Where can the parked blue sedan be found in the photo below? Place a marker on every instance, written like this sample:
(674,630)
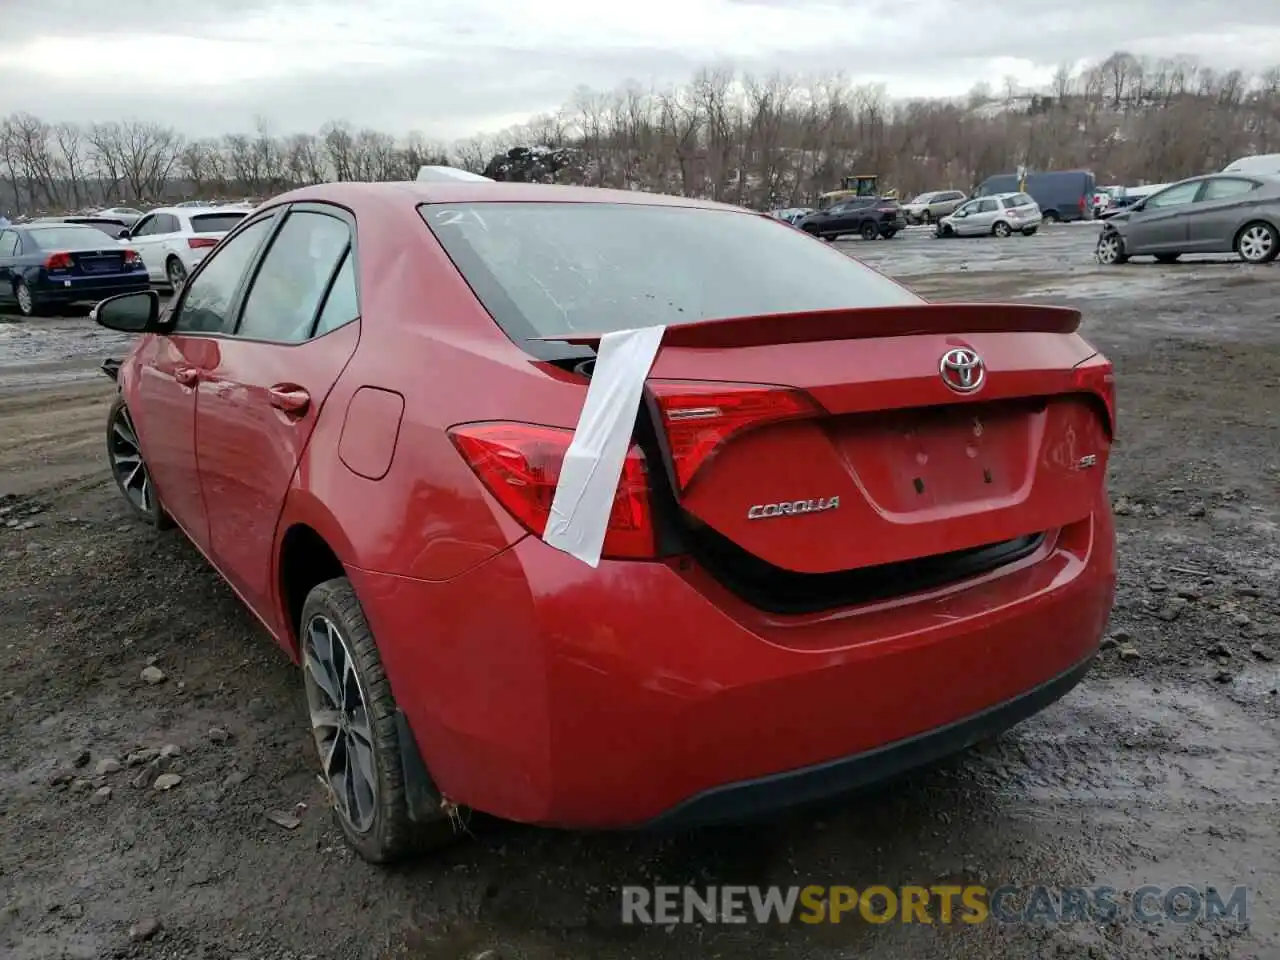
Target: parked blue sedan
(47,265)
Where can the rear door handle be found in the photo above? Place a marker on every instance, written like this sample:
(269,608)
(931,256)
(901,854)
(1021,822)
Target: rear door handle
(291,399)
(187,376)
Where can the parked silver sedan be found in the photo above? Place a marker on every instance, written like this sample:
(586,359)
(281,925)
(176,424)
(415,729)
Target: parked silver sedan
(1221,213)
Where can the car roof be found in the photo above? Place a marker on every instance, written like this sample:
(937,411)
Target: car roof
(199,211)
(55,222)
(413,192)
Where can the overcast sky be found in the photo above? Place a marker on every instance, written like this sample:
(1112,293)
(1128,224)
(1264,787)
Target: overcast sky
(451,69)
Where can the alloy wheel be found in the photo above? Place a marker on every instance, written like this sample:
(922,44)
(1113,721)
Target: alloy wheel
(1109,249)
(26,306)
(127,465)
(1256,243)
(340,722)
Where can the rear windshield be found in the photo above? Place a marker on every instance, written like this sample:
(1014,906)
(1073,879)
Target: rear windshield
(69,237)
(216,222)
(549,269)
(1019,200)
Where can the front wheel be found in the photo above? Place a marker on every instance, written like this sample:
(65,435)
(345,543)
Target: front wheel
(129,469)
(1258,243)
(1110,249)
(927,217)
(353,721)
(1029,231)
(1001,229)
(869,230)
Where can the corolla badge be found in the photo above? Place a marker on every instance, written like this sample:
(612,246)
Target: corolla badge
(962,370)
(762,511)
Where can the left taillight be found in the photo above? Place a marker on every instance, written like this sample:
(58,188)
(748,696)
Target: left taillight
(699,417)
(201,243)
(131,259)
(58,261)
(519,463)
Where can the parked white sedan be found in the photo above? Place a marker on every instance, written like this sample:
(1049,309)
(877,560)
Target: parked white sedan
(173,240)
(1000,215)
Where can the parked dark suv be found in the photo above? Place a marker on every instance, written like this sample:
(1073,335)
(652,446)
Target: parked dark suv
(868,217)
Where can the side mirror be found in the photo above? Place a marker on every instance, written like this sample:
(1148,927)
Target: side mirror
(129,312)
(122,235)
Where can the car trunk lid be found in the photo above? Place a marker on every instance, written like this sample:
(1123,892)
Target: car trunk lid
(825,442)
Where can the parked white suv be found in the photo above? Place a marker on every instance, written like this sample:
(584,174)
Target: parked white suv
(173,240)
(999,215)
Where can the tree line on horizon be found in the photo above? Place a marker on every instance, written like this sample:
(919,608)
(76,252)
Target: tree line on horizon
(757,141)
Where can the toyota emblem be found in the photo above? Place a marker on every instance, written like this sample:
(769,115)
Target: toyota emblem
(962,370)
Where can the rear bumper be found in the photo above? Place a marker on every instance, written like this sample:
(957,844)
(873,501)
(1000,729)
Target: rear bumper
(543,691)
(751,799)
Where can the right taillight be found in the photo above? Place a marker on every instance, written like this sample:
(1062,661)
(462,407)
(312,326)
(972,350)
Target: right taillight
(519,463)
(699,417)
(1097,376)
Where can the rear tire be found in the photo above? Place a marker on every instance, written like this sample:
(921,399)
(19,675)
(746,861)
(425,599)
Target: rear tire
(1001,229)
(869,230)
(176,273)
(1029,231)
(28,305)
(926,217)
(1052,216)
(1258,242)
(890,234)
(353,722)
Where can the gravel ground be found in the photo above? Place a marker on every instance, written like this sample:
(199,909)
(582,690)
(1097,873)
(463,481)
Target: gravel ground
(1160,768)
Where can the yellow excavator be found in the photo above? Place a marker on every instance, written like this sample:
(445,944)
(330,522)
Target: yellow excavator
(863,185)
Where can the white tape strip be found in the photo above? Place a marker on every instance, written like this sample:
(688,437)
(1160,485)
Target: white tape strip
(589,477)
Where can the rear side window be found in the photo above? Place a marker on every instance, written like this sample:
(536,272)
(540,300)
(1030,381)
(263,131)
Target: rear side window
(8,243)
(342,305)
(215,222)
(549,269)
(1226,188)
(295,273)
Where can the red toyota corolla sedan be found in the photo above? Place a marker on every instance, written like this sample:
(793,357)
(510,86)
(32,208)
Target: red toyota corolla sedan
(852,531)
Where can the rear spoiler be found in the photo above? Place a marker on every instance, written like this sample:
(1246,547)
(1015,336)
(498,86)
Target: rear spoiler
(859,324)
